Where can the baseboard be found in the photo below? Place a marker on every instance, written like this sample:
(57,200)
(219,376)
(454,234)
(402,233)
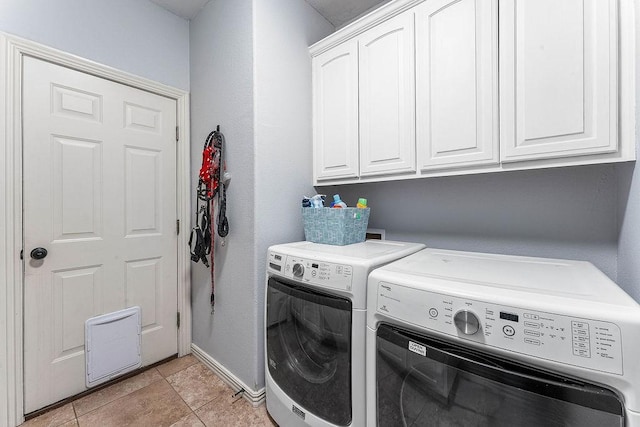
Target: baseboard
(256,398)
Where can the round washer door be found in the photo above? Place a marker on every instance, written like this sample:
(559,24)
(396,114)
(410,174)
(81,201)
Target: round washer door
(425,381)
(308,339)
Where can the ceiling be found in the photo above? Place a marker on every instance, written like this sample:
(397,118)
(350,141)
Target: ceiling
(187,9)
(338,12)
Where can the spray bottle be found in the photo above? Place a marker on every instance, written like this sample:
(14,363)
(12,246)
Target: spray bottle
(317,201)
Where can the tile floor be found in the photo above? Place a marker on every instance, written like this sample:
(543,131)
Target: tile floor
(182,392)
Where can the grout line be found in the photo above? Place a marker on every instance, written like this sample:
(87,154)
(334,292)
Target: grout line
(185,402)
(200,419)
(118,398)
(75,414)
(206,403)
(107,384)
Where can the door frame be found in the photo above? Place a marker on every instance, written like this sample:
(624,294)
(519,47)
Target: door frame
(12,50)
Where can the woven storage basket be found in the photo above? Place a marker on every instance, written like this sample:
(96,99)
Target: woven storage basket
(335,226)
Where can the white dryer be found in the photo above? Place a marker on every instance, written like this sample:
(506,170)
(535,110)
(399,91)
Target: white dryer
(460,338)
(315,320)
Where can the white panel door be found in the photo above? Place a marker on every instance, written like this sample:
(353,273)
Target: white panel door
(335,88)
(387,100)
(456,83)
(558,78)
(100,197)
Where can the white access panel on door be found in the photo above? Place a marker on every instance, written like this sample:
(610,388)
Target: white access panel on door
(112,343)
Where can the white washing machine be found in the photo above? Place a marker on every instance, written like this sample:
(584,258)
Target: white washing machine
(315,320)
(460,338)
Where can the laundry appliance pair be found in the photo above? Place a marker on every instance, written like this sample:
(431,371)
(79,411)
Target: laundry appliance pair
(452,338)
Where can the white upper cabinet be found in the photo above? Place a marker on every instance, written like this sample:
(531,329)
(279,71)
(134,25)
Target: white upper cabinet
(335,112)
(558,78)
(456,83)
(421,88)
(386,80)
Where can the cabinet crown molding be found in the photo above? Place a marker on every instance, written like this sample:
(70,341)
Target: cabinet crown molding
(370,20)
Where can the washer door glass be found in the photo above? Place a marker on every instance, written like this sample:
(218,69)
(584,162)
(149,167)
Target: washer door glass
(427,382)
(309,349)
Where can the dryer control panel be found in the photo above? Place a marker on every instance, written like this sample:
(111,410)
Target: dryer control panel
(324,274)
(587,343)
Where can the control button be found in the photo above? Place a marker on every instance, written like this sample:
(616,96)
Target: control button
(531,341)
(532,325)
(433,312)
(581,352)
(530,316)
(298,270)
(314,273)
(532,333)
(466,322)
(508,330)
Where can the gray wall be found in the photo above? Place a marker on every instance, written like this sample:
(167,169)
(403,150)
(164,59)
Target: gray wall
(629,203)
(250,73)
(629,230)
(283,31)
(131,35)
(558,213)
(222,93)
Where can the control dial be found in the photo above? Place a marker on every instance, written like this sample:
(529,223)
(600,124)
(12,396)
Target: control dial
(298,270)
(466,322)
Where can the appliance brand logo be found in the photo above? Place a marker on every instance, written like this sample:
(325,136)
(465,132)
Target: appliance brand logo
(417,348)
(297,411)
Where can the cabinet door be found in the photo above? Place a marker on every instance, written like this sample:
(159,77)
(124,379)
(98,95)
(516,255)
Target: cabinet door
(456,83)
(335,87)
(558,78)
(387,104)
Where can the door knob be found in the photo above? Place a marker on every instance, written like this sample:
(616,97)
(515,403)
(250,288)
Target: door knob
(38,253)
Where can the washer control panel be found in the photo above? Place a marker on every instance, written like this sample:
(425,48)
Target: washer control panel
(325,274)
(587,343)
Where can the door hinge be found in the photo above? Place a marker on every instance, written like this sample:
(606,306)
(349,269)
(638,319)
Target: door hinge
(22,254)
(177,226)
(177,133)
(178,320)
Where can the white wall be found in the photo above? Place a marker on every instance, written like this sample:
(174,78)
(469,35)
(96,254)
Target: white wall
(283,31)
(250,73)
(132,35)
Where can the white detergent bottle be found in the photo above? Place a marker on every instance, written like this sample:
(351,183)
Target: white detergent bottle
(337,203)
